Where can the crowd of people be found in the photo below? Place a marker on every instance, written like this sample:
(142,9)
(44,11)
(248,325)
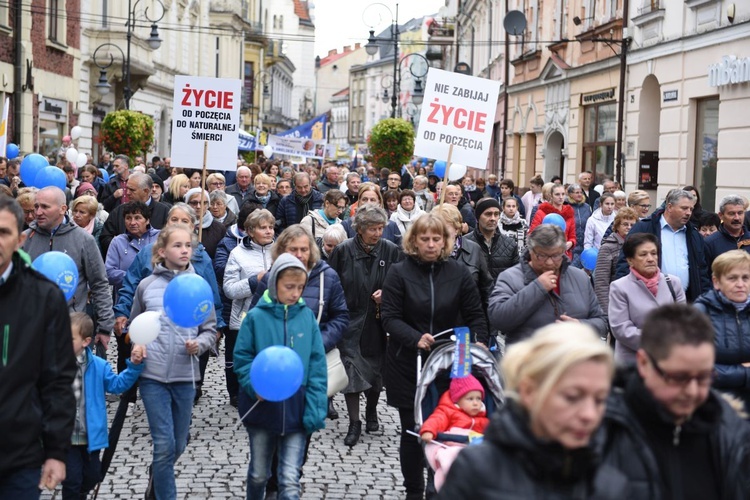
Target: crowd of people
(627,379)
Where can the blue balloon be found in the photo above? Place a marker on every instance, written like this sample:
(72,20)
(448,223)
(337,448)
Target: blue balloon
(588,258)
(414,163)
(439,168)
(555,219)
(105,174)
(11,151)
(30,167)
(188,300)
(424,161)
(60,268)
(50,176)
(276,373)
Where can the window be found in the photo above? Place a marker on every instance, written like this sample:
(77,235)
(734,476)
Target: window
(249,84)
(4,14)
(599,135)
(56,21)
(706,148)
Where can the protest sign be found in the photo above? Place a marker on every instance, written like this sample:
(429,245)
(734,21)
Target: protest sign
(458,111)
(305,148)
(206,113)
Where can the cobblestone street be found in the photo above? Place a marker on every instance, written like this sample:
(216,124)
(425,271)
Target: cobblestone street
(214,464)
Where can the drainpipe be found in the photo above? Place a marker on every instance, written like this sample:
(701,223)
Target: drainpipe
(619,156)
(18,68)
(506,77)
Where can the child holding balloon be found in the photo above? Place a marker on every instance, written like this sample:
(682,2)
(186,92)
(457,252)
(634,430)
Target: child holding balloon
(94,377)
(167,383)
(284,410)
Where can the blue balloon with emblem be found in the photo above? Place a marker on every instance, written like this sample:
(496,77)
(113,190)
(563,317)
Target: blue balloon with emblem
(188,300)
(60,268)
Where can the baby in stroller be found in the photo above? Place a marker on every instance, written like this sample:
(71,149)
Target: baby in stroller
(461,411)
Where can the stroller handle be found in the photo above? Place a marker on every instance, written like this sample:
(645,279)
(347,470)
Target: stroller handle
(419,352)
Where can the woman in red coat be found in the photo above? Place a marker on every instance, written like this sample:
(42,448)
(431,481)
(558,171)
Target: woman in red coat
(557,206)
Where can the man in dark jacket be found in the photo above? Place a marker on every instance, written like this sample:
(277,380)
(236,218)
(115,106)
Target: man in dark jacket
(500,251)
(330,179)
(37,404)
(293,207)
(115,192)
(454,194)
(682,251)
(731,234)
(243,187)
(139,189)
(667,430)
(585,180)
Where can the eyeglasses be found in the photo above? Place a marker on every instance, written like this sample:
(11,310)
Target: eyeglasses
(340,208)
(545,258)
(681,379)
(217,183)
(196,203)
(645,207)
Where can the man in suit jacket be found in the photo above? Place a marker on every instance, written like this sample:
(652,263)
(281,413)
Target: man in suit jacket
(139,189)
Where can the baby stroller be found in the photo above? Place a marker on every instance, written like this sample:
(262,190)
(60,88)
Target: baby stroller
(434,379)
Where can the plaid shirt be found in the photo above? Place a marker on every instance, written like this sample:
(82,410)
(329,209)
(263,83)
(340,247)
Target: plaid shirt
(79,436)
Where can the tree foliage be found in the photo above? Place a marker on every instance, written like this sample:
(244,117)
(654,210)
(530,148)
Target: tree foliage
(391,143)
(127,132)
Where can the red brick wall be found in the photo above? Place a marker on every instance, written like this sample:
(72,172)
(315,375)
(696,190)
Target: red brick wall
(6,40)
(48,58)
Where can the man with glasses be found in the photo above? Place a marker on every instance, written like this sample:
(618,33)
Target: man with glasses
(667,430)
(393,182)
(138,187)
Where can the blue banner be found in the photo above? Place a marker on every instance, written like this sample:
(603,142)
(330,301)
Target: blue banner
(315,129)
(247,143)
(462,354)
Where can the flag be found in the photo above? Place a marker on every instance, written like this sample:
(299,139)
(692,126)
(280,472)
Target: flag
(462,353)
(4,127)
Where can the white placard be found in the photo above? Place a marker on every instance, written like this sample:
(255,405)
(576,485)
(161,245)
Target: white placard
(306,148)
(206,109)
(459,110)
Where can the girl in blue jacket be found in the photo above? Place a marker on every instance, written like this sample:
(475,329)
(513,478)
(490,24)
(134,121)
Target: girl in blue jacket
(281,318)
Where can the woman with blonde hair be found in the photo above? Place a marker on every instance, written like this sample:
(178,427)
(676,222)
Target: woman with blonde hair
(424,294)
(545,442)
(178,188)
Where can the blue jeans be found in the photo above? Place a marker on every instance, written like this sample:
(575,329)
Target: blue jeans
(82,471)
(22,484)
(169,409)
(291,450)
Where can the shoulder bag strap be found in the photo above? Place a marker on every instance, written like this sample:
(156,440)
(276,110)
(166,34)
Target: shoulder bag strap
(671,288)
(320,298)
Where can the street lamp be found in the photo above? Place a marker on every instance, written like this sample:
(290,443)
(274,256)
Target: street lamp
(418,69)
(154,42)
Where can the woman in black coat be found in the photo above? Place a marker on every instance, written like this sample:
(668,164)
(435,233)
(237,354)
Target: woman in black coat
(426,293)
(546,442)
(362,263)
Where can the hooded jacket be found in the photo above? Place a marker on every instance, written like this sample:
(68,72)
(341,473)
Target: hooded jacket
(700,275)
(92,276)
(272,323)
(512,463)
(566,212)
(519,305)
(334,315)
(141,268)
(37,368)
(99,379)
(596,226)
(448,415)
(316,223)
(168,360)
(662,460)
(732,343)
(246,261)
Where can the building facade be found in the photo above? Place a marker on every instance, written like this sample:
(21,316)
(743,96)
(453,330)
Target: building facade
(332,74)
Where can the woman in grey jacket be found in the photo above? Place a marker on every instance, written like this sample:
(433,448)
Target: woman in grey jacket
(247,264)
(171,370)
(542,289)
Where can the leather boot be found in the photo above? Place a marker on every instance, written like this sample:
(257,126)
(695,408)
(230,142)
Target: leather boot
(332,413)
(371,422)
(352,435)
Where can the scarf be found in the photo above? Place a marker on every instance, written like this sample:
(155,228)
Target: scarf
(330,222)
(302,202)
(90,228)
(507,221)
(456,247)
(207,219)
(651,283)
(264,199)
(364,246)
(739,306)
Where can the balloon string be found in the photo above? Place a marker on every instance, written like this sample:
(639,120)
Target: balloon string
(246,414)
(192,356)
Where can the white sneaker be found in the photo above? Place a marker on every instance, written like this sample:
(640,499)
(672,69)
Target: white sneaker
(131,410)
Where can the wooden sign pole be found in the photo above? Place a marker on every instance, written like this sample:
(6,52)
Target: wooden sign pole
(445,177)
(203,206)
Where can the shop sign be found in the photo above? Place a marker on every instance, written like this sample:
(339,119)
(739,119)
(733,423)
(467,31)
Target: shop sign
(599,96)
(53,109)
(729,71)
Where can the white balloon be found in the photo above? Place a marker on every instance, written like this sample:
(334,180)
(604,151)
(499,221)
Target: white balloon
(71,155)
(268,151)
(81,160)
(145,327)
(75,132)
(456,172)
